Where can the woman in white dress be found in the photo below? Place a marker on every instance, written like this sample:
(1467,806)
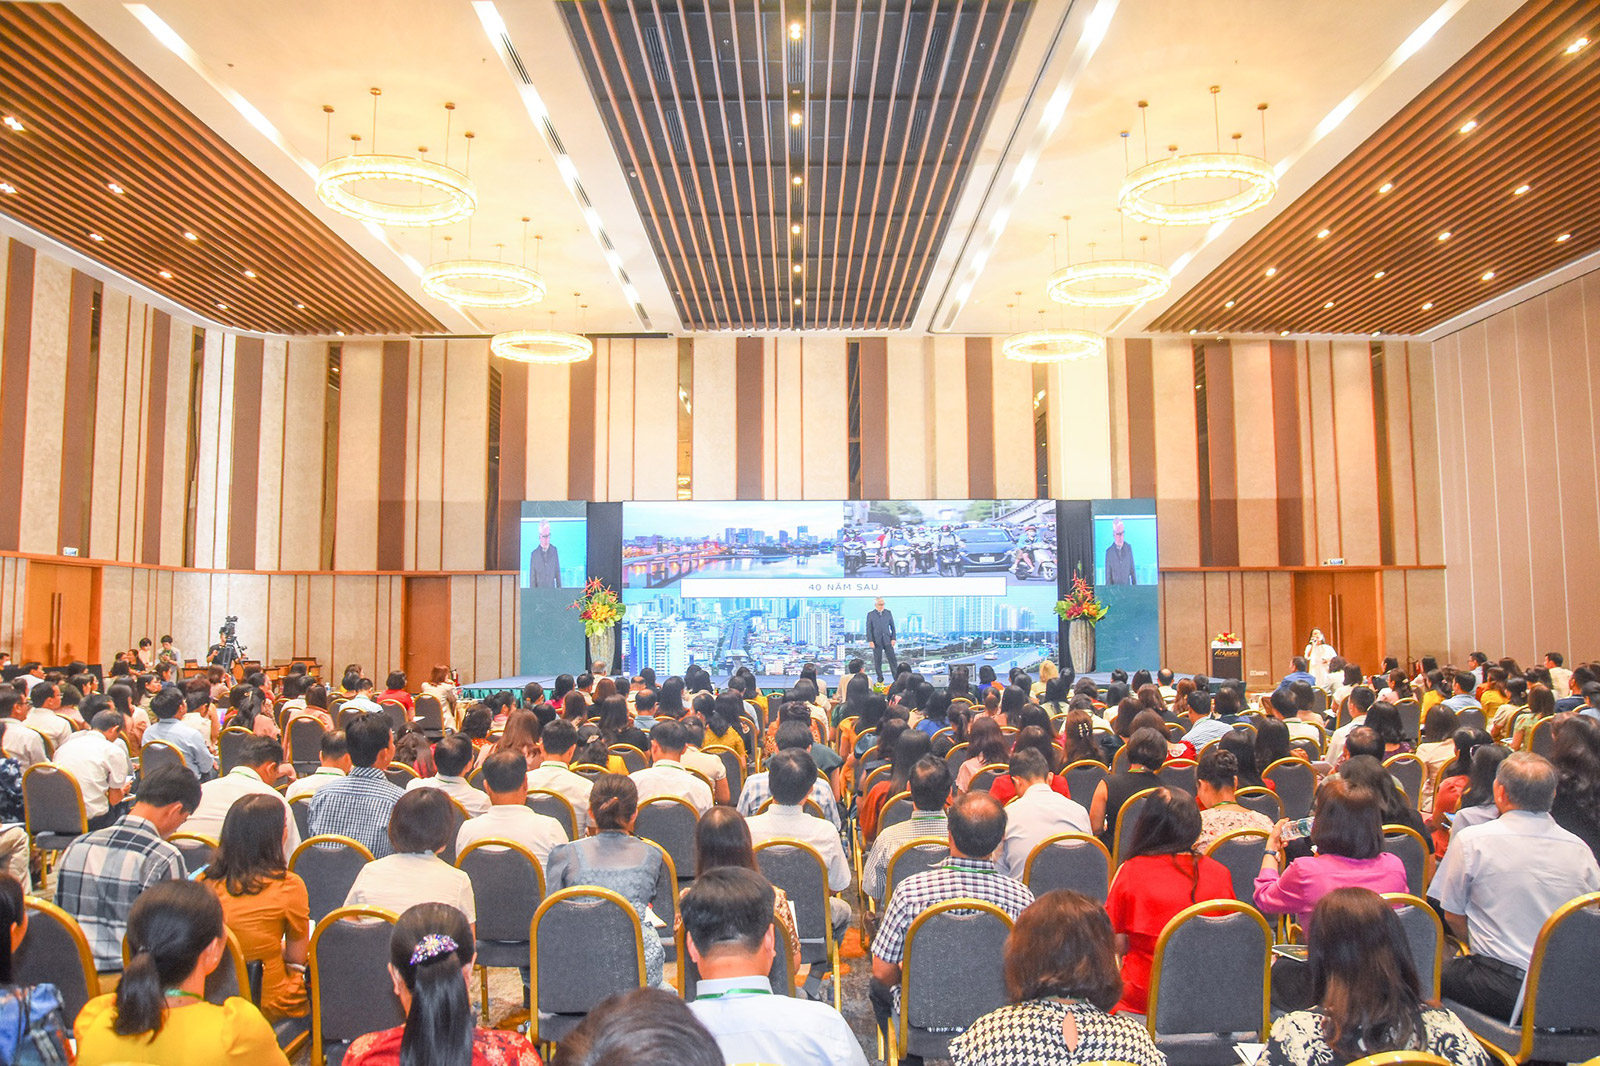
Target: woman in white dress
(1318,654)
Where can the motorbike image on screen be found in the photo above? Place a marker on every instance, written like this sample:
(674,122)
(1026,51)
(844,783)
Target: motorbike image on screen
(1042,566)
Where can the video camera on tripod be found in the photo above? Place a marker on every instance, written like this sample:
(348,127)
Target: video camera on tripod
(228,650)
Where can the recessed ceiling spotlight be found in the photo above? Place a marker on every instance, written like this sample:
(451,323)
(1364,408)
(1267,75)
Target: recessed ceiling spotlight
(1283,333)
(222,307)
(795,118)
(1328,306)
(1270,271)
(1386,187)
(1428,306)
(7,188)
(299,307)
(165,274)
(1323,233)
(1577,46)
(1228,304)
(1468,126)
(797,301)
(1192,332)
(1520,189)
(114,187)
(13,122)
(795,229)
(797,268)
(1376,332)
(1487,275)
(96,237)
(190,235)
(797,179)
(338,333)
(796,31)
(1445,235)
(1379,275)
(250,273)
(1564,238)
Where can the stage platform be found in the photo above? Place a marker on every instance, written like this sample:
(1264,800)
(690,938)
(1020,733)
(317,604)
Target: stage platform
(478,690)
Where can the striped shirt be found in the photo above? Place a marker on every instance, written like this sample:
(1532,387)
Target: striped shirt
(875,873)
(958,877)
(103,872)
(757,791)
(357,807)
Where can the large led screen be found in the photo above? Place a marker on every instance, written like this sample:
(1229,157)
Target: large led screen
(776,585)
(552,569)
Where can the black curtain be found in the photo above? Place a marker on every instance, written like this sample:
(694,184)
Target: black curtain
(605,557)
(1074,555)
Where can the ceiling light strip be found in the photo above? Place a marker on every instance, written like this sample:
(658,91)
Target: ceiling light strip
(801,45)
(494,28)
(780,231)
(835,313)
(849,318)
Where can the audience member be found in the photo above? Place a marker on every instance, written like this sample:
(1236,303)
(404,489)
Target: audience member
(1062,980)
(791,774)
(421,825)
(1501,880)
(708,766)
(1453,782)
(102,873)
(1462,698)
(929,786)
(644,1027)
(1575,753)
(263,903)
(977,826)
(508,817)
(1365,771)
(430,962)
(722,838)
(1038,813)
(1369,997)
(727,916)
(20,743)
(169,706)
(1203,726)
(358,806)
(666,775)
(1361,700)
(333,755)
(909,746)
(255,775)
(616,859)
(451,757)
(1147,750)
(559,741)
(45,700)
(757,789)
(1216,779)
(1160,876)
(159,1012)
(98,760)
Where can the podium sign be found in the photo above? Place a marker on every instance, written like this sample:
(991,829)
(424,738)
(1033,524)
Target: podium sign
(1227,661)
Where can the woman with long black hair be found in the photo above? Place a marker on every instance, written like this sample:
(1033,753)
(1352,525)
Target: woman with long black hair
(430,962)
(159,1012)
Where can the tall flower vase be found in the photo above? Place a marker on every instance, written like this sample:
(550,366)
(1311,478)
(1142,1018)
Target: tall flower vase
(1080,642)
(603,649)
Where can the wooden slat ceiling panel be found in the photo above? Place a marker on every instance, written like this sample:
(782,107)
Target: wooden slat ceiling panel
(1536,107)
(697,96)
(92,118)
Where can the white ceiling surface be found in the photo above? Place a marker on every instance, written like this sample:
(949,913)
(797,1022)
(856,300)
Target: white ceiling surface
(1301,59)
(288,58)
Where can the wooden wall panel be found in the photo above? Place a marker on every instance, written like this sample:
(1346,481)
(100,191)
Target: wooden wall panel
(47,373)
(466,460)
(716,458)
(1176,452)
(825,447)
(655,419)
(1255,471)
(1117,422)
(946,385)
(1015,476)
(1355,441)
(300,502)
(909,418)
(175,460)
(549,411)
(618,418)
(427,455)
(1080,450)
(355,538)
(1574,313)
(1402,466)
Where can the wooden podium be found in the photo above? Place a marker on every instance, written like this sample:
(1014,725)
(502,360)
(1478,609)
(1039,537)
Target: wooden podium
(1227,662)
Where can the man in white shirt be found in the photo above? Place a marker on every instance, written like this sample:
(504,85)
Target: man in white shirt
(714,769)
(791,774)
(334,759)
(20,743)
(451,757)
(1038,812)
(727,918)
(559,740)
(1203,726)
(361,698)
(508,817)
(45,698)
(1560,676)
(32,674)
(1500,881)
(258,770)
(666,775)
(1361,700)
(1293,705)
(99,762)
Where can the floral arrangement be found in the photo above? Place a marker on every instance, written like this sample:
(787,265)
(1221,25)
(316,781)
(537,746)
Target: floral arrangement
(1080,604)
(599,607)
(1225,637)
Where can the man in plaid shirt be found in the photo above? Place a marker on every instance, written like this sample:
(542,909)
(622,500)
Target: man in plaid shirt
(359,805)
(929,785)
(102,873)
(977,826)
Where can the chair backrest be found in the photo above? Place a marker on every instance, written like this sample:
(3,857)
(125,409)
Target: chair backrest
(1179,773)
(1200,942)
(953,969)
(1127,818)
(1319,699)
(475,779)
(52,801)
(1563,983)
(231,977)
(588,945)
(554,805)
(985,778)
(458,818)
(157,754)
(1263,801)
(328,865)
(1177,730)
(1083,778)
(634,759)
(1402,1058)
(954,758)
(230,746)
(351,993)
(670,822)
(588,770)
(399,774)
(198,850)
(1472,718)
(1543,736)
(801,871)
(1309,750)
(880,773)
(1120,760)
(300,807)
(1410,718)
(1295,782)
(305,743)
(396,712)
(913,857)
(897,810)
(1240,851)
(1405,842)
(1073,861)
(1410,771)
(732,764)
(430,714)
(508,874)
(55,951)
(1425,935)
(781,976)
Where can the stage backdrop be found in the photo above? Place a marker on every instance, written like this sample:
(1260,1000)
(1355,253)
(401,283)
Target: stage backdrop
(553,566)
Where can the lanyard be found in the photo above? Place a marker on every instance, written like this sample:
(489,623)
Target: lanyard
(735,992)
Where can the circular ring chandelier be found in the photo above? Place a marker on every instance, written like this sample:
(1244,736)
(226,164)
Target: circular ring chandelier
(1137,198)
(1141,281)
(457,197)
(1054,346)
(541,346)
(443,281)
